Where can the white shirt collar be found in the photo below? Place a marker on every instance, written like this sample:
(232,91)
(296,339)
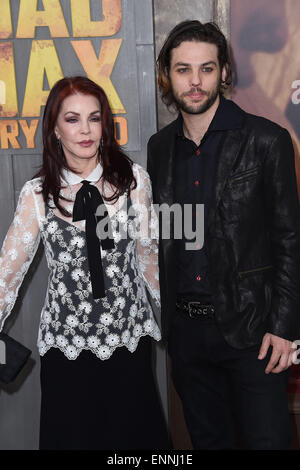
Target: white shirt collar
(72,178)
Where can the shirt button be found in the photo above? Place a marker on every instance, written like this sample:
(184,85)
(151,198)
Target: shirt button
(198,152)
(198,278)
(197,183)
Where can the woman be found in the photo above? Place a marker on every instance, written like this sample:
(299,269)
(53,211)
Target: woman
(98,390)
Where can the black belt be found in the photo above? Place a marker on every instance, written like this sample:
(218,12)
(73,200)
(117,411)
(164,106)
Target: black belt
(196,309)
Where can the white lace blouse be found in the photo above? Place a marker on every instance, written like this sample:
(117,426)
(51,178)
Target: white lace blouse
(71,319)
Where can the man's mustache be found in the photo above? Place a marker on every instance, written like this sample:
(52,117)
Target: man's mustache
(195,90)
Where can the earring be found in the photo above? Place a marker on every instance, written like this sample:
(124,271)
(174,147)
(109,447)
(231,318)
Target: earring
(59,145)
(101,144)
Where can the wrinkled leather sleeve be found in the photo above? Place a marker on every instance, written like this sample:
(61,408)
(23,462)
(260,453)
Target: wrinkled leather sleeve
(282,210)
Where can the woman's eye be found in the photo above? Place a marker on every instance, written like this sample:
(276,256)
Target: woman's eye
(96,119)
(71,120)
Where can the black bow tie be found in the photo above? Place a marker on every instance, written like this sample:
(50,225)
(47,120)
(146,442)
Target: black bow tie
(87,201)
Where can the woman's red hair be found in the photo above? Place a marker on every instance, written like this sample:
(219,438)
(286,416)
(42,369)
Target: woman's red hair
(117,167)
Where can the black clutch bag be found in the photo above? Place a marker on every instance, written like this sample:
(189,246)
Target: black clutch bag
(13,357)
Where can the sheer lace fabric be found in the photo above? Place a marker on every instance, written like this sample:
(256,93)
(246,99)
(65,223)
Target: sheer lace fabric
(71,319)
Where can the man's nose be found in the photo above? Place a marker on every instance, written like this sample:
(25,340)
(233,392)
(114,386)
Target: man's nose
(196,80)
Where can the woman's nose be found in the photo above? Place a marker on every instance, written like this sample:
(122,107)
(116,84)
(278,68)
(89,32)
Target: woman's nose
(85,127)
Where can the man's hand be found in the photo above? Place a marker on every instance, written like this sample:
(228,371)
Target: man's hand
(282,353)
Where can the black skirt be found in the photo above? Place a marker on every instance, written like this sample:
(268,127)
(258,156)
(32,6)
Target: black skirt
(101,405)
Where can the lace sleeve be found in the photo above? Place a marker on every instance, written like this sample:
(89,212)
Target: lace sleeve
(18,250)
(148,234)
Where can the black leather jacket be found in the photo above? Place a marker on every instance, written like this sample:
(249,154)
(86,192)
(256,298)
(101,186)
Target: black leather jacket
(252,236)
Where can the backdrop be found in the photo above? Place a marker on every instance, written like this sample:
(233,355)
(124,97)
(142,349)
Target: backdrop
(112,42)
(265,38)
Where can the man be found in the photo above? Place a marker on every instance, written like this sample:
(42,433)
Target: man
(230,309)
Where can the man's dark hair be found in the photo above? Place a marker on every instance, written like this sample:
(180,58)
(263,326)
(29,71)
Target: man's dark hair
(192,30)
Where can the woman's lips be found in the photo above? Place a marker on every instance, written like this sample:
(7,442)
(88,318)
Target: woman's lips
(86,143)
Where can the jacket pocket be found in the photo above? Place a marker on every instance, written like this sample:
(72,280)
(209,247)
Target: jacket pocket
(243,176)
(254,271)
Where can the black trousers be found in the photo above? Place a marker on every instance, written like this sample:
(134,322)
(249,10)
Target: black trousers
(90,404)
(228,400)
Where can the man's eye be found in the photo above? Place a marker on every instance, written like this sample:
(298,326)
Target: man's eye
(182,70)
(207,69)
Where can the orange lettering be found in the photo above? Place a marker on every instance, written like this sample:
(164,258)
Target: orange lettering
(9,131)
(9,103)
(84,27)
(5,20)
(30,18)
(29,131)
(100,68)
(43,59)
(121,130)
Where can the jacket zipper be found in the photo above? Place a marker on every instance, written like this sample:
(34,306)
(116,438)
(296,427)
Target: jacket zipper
(243,273)
(245,176)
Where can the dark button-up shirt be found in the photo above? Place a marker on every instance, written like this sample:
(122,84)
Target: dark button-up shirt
(195,168)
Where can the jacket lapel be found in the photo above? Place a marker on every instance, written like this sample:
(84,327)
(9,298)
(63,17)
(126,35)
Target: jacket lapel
(230,150)
(165,185)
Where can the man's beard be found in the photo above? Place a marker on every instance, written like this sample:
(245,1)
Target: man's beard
(201,107)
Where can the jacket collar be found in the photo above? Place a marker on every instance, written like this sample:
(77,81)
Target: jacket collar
(228,116)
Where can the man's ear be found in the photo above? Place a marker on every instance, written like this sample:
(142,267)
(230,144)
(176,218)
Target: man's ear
(224,74)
